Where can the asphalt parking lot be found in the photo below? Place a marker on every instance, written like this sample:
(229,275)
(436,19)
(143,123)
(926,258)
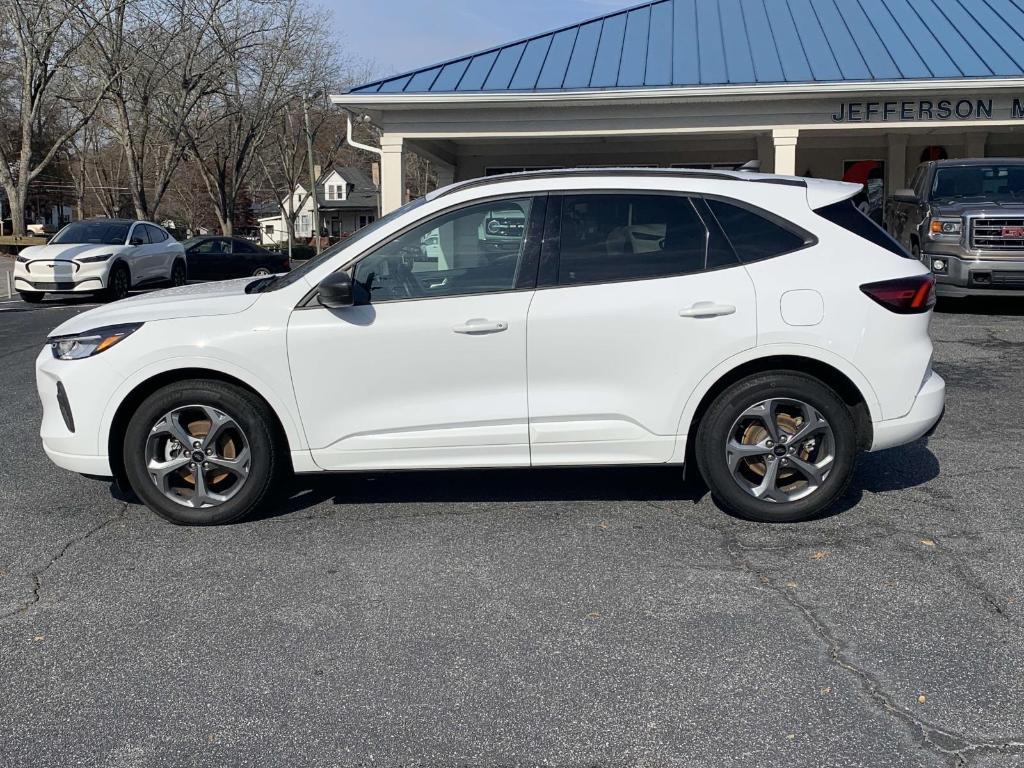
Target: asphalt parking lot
(571,618)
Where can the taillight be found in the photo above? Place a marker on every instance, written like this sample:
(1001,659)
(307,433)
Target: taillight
(905,296)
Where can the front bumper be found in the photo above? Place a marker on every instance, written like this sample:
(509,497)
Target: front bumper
(72,439)
(924,416)
(977,277)
(68,277)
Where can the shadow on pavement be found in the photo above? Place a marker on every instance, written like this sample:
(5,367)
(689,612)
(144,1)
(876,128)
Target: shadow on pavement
(982,305)
(893,470)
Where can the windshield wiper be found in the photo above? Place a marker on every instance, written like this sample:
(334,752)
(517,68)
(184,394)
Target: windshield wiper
(260,285)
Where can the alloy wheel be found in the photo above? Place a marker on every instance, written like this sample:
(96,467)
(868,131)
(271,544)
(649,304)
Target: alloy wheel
(780,450)
(261,272)
(198,456)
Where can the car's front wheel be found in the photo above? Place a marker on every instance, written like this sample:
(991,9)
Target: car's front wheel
(119,283)
(778,447)
(203,452)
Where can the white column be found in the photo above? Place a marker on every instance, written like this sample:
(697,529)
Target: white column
(897,163)
(975,144)
(785,140)
(392,173)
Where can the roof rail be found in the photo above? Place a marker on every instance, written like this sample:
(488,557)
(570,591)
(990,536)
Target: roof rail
(681,173)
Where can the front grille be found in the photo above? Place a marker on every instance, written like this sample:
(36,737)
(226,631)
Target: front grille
(1008,280)
(52,286)
(1003,234)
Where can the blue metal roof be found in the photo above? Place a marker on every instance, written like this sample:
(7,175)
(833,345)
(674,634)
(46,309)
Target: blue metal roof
(744,42)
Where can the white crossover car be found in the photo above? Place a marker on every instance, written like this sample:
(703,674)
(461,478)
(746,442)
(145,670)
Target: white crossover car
(758,328)
(108,256)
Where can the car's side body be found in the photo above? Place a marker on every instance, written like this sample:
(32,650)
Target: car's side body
(606,372)
(146,251)
(213,257)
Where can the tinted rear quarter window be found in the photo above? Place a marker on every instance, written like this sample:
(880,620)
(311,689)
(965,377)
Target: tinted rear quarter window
(755,237)
(616,237)
(848,216)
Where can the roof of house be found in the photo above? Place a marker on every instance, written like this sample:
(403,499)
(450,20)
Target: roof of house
(690,43)
(362,194)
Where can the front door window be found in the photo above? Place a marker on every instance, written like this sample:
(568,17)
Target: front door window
(473,250)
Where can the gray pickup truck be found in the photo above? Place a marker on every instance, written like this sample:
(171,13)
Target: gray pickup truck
(965,220)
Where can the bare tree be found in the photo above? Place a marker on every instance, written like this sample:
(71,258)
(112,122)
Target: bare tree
(228,131)
(164,58)
(41,80)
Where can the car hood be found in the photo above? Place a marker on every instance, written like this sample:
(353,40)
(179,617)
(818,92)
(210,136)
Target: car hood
(203,300)
(976,206)
(68,252)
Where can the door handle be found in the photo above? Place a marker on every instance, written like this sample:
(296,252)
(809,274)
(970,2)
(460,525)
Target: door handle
(708,309)
(479,325)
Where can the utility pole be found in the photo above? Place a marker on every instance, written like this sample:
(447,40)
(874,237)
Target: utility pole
(312,172)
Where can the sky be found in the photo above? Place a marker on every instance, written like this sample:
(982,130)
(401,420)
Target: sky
(400,35)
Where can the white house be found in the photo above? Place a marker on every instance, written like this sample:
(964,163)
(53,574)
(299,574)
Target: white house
(347,199)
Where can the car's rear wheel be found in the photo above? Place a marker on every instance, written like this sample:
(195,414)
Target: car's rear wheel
(179,274)
(119,283)
(261,272)
(203,452)
(778,447)
(31,296)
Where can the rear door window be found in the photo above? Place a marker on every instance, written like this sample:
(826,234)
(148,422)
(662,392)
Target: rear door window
(618,237)
(755,236)
(156,235)
(140,233)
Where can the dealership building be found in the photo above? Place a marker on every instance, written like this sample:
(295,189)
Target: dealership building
(857,89)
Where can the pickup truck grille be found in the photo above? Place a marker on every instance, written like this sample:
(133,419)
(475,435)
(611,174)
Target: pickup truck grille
(998,234)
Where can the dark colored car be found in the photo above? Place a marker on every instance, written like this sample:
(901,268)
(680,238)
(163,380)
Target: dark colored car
(299,252)
(222,258)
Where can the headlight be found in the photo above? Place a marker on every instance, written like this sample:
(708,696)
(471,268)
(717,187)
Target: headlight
(947,227)
(90,343)
(23,259)
(94,259)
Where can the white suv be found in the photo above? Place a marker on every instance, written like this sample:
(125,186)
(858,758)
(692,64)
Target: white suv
(757,326)
(109,256)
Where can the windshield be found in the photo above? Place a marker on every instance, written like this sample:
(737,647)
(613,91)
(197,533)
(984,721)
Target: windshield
(100,232)
(298,273)
(995,182)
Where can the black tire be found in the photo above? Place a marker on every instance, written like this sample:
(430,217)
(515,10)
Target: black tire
(262,272)
(715,431)
(118,283)
(179,273)
(268,463)
(31,297)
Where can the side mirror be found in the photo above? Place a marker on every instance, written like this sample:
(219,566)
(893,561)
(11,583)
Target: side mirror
(136,241)
(906,196)
(335,291)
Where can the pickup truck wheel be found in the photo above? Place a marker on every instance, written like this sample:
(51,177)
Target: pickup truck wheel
(31,296)
(203,452)
(778,447)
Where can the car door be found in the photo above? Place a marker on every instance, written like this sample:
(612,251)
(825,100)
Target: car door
(643,300)
(162,252)
(245,258)
(429,369)
(206,259)
(140,255)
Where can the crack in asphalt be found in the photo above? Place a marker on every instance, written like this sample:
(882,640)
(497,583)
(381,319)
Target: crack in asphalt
(958,746)
(37,575)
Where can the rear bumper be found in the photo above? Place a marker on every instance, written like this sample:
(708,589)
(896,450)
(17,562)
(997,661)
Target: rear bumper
(978,277)
(924,416)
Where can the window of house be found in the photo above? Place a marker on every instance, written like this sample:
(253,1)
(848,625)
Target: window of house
(753,236)
(269,229)
(365,221)
(469,251)
(616,237)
